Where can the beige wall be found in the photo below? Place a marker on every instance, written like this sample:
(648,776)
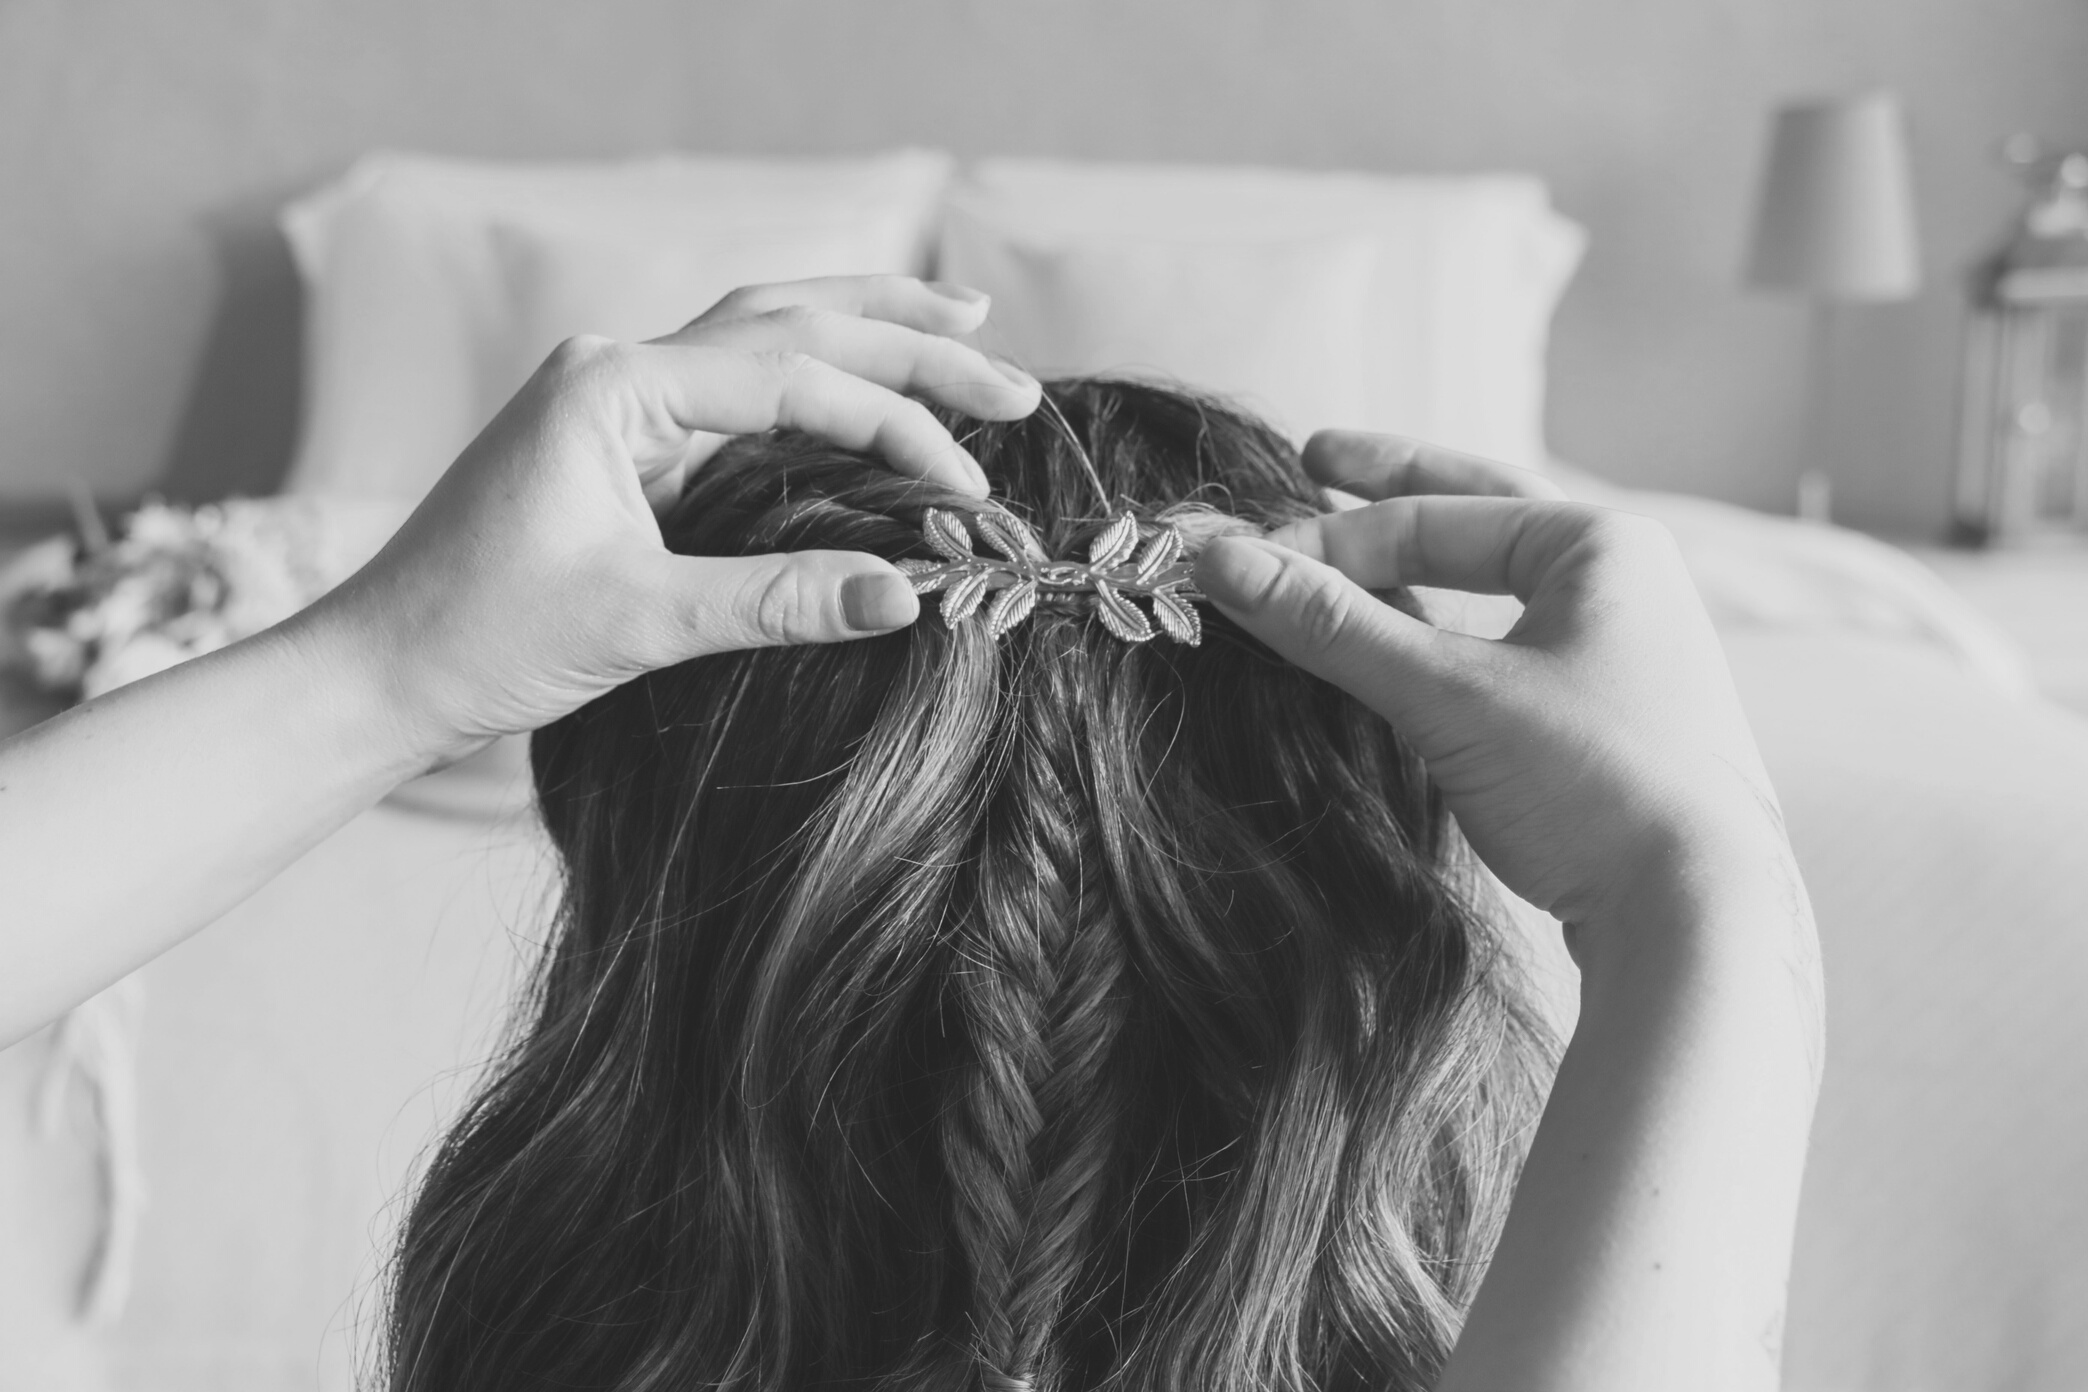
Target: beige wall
(148,319)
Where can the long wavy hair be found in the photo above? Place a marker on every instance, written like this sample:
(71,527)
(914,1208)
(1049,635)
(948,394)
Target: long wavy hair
(928,1012)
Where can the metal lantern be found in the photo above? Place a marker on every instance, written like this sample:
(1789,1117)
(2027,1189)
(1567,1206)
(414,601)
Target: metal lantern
(2023,453)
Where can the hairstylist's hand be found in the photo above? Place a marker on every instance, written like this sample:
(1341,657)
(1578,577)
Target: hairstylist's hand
(534,577)
(1599,741)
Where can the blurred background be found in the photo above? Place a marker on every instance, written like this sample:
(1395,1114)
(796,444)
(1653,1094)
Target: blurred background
(149,314)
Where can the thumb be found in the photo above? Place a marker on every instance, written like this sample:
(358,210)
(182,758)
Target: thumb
(1318,618)
(724,603)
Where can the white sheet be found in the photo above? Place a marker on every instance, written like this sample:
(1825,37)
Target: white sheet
(1943,1240)
(298,1057)
(1761,572)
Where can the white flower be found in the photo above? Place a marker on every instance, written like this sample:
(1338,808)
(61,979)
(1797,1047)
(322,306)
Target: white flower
(176,583)
(44,567)
(131,606)
(260,587)
(56,658)
(159,527)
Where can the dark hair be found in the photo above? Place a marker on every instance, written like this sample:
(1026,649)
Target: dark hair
(934,1013)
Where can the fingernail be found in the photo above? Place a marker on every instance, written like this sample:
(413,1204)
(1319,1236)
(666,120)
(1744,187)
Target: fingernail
(1237,571)
(878,603)
(1306,537)
(980,483)
(1015,375)
(963,294)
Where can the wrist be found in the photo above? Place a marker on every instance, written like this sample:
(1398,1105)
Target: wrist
(1701,919)
(1693,890)
(370,705)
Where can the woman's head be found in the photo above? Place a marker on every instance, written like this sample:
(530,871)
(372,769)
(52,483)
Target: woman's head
(937,1012)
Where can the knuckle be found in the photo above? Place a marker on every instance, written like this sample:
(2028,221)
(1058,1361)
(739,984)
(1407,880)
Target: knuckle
(581,353)
(1531,483)
(784,363)
(785,608)
(1625,529)
(739,301)
(1396,522)
(1636,535)
(1640,552)
(796,317)
(582,366)
(1321,614)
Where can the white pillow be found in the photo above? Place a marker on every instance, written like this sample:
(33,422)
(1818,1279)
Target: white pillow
(423,276)
(1454,316)
(1277,325)
(633,283)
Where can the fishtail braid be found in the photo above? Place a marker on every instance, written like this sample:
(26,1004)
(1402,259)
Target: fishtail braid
(1030,1143)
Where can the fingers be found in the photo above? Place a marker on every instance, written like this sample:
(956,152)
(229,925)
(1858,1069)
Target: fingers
(892,355)
(1390,466)
(674,389)
(1318,618)
(933,307)
(722,604)
(1483,545)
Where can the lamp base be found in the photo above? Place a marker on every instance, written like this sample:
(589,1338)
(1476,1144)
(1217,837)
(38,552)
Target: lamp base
(1815,497)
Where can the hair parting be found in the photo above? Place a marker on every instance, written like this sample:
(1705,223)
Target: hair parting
(1103,501)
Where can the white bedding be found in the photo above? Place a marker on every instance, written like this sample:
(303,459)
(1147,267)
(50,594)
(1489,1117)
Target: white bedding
(297,1059)
(1943,1238)
(1757,572)
(1938,810)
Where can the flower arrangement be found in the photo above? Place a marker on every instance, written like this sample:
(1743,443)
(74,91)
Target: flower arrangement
(83,614)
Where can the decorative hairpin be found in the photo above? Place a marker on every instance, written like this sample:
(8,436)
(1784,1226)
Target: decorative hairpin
(1121,563)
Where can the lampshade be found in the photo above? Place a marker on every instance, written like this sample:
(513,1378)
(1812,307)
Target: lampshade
(1836,219)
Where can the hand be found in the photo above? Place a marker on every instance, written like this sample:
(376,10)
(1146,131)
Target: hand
(534,577)
(1598,742)
(1596,757)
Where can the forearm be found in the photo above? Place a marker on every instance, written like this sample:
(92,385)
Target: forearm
(132,821)
(1649,1242)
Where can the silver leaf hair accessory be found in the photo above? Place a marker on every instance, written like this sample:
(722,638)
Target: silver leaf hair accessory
(1123,564)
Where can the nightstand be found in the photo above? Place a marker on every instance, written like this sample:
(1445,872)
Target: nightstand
(2037,595)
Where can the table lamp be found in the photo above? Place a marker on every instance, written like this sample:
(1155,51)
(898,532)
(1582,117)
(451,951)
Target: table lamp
(1835,225)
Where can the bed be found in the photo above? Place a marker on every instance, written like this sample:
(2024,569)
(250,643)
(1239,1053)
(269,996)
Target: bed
(293,1062)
